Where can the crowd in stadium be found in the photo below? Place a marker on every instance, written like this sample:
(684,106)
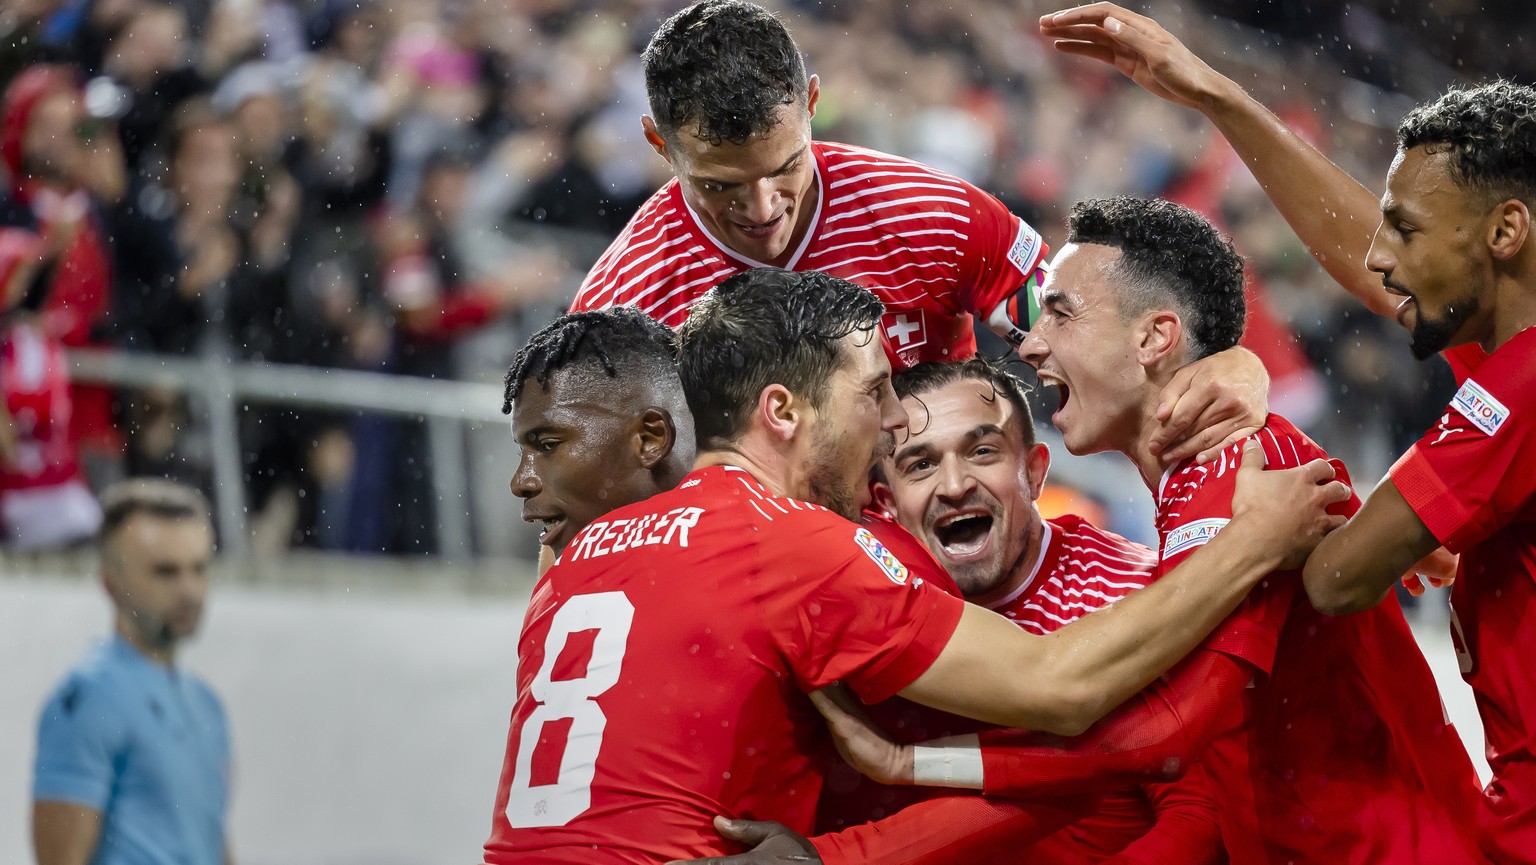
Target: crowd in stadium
(413,187)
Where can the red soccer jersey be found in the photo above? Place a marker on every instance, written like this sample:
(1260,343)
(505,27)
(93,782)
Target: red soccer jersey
(1472,480)
(932,247)
(1079,569)
(1341,751)
(663,666)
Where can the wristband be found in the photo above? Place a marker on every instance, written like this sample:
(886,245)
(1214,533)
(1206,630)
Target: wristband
(954,761)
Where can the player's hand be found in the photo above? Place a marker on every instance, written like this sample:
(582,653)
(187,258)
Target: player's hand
(862,744)
(1437,570)
(1137,46)
(1287,508)
(771,843)
(1210,405)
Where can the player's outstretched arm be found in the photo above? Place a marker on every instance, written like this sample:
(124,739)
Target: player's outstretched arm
(1332,213)
(1065,681)
(1210,405)
(1355,567)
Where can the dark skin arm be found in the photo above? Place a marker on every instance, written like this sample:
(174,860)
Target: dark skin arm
(1355,567)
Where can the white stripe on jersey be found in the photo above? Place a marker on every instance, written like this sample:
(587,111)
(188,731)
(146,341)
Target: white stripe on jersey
(909,171)
(637,243)
(864,193)
(881,205)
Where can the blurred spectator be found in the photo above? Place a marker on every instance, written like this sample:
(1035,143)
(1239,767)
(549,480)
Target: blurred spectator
(410,186)
(65,169)
(44,500)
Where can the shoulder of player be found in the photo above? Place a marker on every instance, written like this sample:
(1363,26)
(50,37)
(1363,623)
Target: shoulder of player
(852,167)
(1088,540)
(94,684)
(654,229)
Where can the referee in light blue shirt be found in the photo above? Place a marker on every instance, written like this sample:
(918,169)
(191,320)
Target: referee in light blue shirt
(133,752)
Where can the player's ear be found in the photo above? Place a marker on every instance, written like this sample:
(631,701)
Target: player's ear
(1037,464)
(654,138)
(779,411)
(880,491)
(1159,336)
(655,434)
(812,93)
(1508,229)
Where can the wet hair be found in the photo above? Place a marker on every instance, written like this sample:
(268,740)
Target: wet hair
(929,376)
(761,327)
(156,497)
(1169,254)
(725,67)
(1490,134)
(620,341)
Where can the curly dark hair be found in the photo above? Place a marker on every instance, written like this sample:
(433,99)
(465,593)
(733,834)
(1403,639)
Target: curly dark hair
(761,327)
(724,66)
(1169,252)
(1490,133)
(619,341)
(931,375)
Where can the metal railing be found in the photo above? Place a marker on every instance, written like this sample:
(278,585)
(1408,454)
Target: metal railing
(221,387)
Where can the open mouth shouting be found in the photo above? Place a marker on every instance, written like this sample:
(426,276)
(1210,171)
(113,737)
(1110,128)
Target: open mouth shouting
(1063,390)
(964,534)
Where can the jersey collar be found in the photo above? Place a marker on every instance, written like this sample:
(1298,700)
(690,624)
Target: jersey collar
(1047,539)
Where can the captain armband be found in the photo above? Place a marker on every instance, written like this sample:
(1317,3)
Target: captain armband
(1012,318)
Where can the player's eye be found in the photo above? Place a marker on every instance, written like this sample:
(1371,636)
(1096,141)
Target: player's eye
(917,467)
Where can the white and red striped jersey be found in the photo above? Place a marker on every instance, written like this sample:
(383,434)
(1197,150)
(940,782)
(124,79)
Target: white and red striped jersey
(1081,568)
(932,247)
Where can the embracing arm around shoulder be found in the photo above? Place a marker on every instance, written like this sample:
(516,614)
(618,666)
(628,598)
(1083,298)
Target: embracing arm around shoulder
(1063,682)
(64,833)
(1355,567)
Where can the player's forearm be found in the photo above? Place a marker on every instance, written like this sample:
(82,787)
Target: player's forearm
(1098,661)
(952,829)
(1354,568)
(1154,736)
(1333,214)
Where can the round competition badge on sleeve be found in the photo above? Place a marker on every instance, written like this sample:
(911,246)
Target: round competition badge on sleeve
(883,557)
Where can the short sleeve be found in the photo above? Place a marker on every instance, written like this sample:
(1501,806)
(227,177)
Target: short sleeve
(79,735)
(1474,472)
(1000,255)
(869,618)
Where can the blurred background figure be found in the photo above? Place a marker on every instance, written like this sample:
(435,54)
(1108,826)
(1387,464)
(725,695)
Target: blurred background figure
(44,500)
(133,753)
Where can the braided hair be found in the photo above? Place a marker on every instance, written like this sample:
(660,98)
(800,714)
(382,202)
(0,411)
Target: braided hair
(620,340)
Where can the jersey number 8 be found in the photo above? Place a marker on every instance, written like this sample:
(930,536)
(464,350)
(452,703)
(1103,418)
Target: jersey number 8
(610,615)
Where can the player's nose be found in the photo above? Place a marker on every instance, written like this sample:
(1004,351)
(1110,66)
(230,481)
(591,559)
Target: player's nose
(1034,349)
(525,481)
(758,202)
(1378,259)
